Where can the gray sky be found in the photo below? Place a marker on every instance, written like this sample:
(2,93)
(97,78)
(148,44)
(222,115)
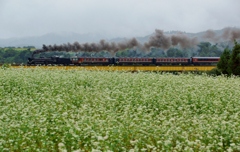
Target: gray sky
(115,18)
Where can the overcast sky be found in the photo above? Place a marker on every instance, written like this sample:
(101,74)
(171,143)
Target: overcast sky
(115,18)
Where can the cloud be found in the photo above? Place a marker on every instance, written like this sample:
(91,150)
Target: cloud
(115,18)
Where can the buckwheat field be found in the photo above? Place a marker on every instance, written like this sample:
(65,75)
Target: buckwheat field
(69,110)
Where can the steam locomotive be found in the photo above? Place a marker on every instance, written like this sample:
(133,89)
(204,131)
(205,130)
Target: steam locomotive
(145,61)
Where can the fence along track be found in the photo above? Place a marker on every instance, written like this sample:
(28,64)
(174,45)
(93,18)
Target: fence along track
(124,68)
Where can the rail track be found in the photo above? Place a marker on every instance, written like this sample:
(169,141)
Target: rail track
(124,68)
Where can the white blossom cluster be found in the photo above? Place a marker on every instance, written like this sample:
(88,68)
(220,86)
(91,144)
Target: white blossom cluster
(69,110)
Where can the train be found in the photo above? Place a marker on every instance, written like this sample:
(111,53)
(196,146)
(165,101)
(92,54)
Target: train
(121,61)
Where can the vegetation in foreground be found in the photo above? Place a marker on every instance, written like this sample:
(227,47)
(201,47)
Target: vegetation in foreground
(44,110)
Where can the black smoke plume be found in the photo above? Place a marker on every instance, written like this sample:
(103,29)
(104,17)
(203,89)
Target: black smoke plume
(228,34)
(158,39)
(165,42)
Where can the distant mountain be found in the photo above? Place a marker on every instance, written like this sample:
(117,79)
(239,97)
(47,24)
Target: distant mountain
(61,38)
(50,39)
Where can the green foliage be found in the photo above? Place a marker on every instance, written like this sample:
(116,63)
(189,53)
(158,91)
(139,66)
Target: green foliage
(234,64)
(174,52)
(129,53)
(214,72)
(230,61)
(206,49)
(223,64)
(5,66)
(14,55)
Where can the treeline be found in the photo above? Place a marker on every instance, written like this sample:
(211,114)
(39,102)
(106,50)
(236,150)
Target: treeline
(13,55)
(20,55)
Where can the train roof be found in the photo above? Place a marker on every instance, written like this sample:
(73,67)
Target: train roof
(206,57)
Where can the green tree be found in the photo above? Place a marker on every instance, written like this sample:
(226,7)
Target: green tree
(234,64)
(206,49)
(14,55)
(223,64)
(174,52)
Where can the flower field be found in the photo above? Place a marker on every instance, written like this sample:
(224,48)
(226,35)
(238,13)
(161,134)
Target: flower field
(68,110)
